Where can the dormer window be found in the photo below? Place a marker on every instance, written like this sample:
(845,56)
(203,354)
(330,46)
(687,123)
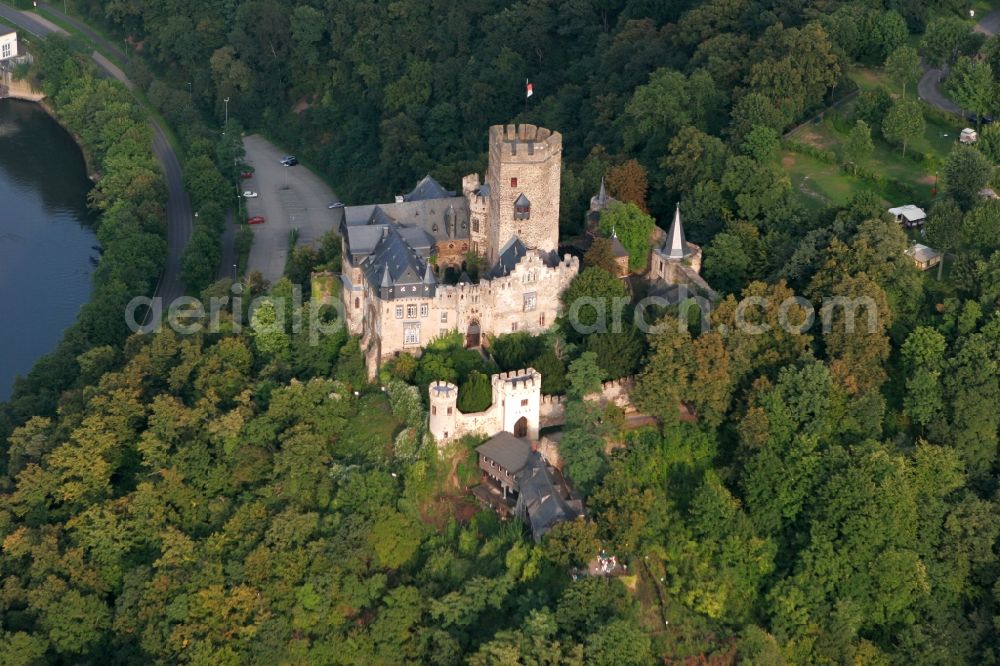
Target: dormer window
(522,208)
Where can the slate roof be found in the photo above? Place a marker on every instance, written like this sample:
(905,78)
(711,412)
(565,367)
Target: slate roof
(510,452)
(443,219)
(541,498)
(510,255)
(616,246)
(676,246)
(427,189)
(395,266)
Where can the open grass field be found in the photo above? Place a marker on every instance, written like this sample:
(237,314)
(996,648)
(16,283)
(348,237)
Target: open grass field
(902,179)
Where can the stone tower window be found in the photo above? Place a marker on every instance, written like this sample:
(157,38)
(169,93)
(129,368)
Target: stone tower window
(522,208)
(513,182)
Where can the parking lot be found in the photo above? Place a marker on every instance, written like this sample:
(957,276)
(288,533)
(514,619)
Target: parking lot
(289,198)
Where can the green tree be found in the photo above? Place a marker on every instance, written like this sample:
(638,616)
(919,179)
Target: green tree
(944,228)
(973,88)
(923,360)
(592,302)
(600,255)
(476,394)
(903,65)
(903,122)
(633,228)
(858,147)
(966,171)
(944,39)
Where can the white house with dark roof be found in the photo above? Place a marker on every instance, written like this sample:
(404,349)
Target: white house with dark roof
(396,256)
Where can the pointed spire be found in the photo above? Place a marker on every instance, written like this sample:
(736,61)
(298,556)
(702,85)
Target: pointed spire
(429,275)
(602,194)
(386,280)
(676,246)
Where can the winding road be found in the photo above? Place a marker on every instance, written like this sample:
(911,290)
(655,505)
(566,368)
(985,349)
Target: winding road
(928,89)
(180,221)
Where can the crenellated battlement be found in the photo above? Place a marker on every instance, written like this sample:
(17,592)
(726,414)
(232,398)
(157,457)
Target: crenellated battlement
(525,142)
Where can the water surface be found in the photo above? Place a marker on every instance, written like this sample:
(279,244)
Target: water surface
(46,236)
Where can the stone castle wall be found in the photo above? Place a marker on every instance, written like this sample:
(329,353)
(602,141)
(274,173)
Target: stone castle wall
(525,300)
(542,411)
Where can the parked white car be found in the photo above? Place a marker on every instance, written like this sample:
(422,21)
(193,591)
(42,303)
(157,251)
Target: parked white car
(249,194)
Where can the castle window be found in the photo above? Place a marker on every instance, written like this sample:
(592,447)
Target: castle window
(524,402)
(513,182)
(357,302)
(399,312)
(434,410)
(513,327)
(423,310)
(411,311)
(444,317)
(541,319)
(411,335)
(475,224)
(449,411)
(522,208)
(530,301)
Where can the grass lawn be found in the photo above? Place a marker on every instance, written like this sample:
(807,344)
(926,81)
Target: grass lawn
(905,180)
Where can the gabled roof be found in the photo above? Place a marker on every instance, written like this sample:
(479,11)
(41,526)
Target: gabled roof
(676,246)
(510,452)
(426,189)
(910,212)
(510,255)
(521,200)
(542,498)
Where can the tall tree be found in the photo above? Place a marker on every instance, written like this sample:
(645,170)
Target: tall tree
(903,122)
(973,88)
(903,65)
(858,147)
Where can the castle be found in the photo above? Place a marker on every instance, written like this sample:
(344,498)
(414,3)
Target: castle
(395,255)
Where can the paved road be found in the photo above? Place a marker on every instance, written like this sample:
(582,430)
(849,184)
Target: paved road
(86,30)
(928,88)
(180,221)
(290,197)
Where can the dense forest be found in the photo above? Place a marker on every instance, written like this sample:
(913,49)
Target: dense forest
(246,496)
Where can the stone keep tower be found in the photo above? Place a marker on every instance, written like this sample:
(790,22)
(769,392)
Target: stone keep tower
(523,176)
(444,410)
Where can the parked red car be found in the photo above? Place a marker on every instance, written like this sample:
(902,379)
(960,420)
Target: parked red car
(246,174)
(256,220)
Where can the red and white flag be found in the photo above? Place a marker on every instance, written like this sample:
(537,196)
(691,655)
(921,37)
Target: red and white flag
(529,91)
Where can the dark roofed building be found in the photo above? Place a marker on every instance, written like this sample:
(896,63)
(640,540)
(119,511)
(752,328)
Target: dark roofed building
(428,188)
(517,480)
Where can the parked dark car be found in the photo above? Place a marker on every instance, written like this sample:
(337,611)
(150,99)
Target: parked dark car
(335,204)
(290,160)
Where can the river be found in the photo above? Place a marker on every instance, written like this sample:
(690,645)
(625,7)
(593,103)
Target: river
(46,236)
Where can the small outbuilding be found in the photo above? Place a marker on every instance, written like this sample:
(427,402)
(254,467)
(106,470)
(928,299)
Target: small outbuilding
(924,257)
(8,43)
(968,135)
(909,215)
